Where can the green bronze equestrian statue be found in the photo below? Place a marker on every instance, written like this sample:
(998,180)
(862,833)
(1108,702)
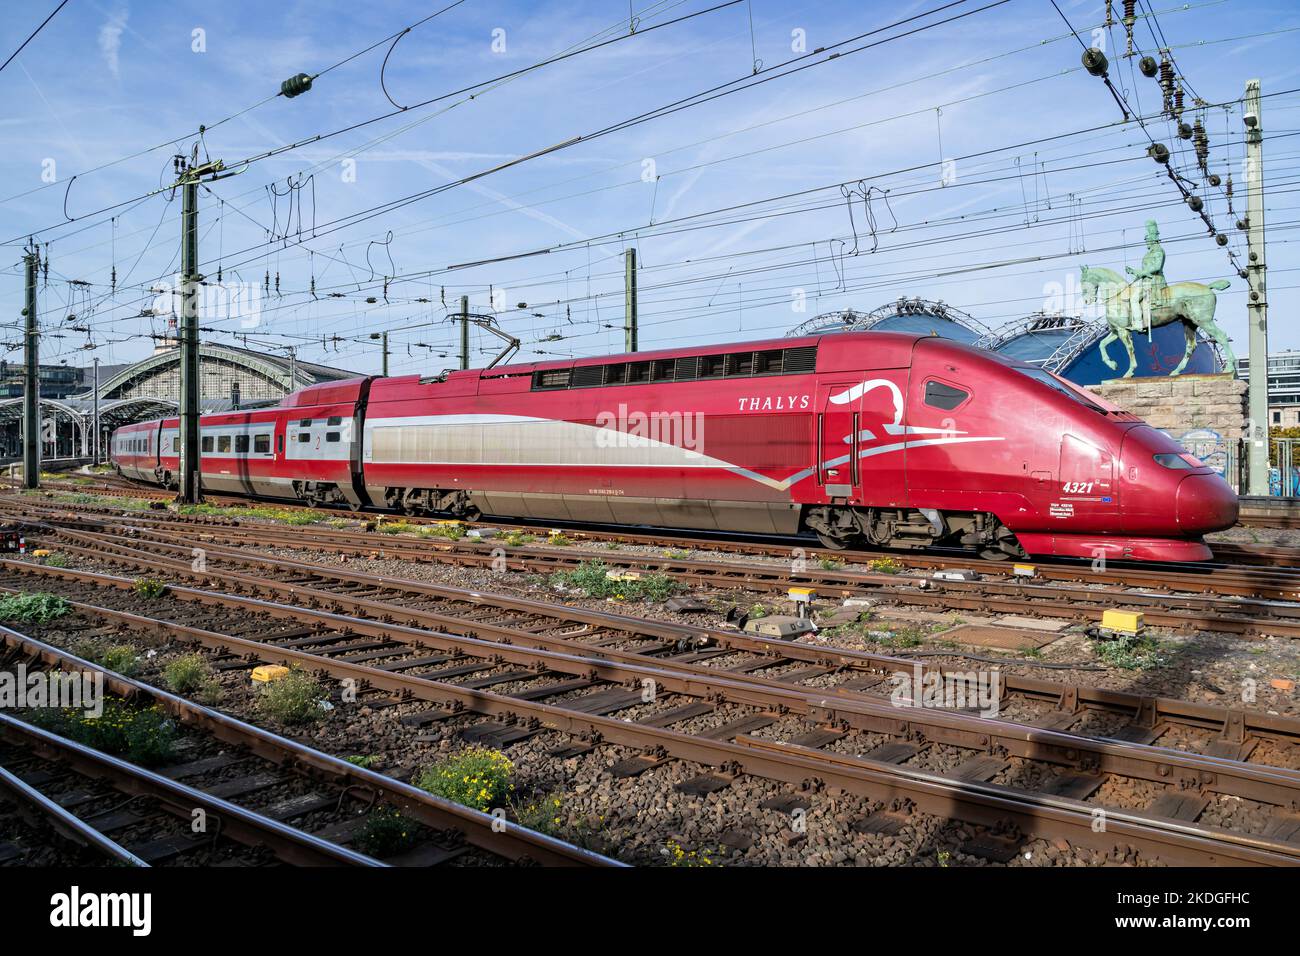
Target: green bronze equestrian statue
(1150,302)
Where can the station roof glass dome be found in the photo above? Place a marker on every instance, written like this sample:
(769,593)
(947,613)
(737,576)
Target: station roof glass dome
(917,316)
(1068,345)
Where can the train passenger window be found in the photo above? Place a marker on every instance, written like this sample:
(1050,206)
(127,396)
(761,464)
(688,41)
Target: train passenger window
(305,423)
(279,444)
(304,437)
(331,436)
(664,370)
(615,374)
(223,443)
(713,366)
(207,443)
(262,444)
(241,444)
(939,395)
(638,372)
(740,363)
(335,420)
(768,363)
(550,378)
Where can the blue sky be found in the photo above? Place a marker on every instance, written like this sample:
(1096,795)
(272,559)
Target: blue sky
(734,205)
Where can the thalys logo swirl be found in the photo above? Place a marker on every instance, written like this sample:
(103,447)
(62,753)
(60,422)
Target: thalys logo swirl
(945,436)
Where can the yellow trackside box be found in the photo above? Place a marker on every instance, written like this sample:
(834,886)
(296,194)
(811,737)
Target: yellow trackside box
(1122,622)
(802,594)
(265,673)
(1024,570)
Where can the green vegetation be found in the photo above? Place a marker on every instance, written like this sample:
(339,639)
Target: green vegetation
(386,832)
(302,516)
(142,735)
(514,539)
(547,814)
(292,699)
(903,637)
(452,532)
(676,554)
(758,610)
(188,674)
(34,608)
(885,566)
(477,777)
(1128,652)
(830,564)
(365,762)
(590,578)
(121,658)
(678,855)
(149,588)
(557,539)
(57,559)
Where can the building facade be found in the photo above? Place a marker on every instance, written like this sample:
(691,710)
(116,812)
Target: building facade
(1283,387)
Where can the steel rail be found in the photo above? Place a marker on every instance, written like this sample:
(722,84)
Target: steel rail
(1013,598)
(68,825)
(1158,764)
(983,804)
(501,838)
(1232,723)
(245,826)
(1280,580)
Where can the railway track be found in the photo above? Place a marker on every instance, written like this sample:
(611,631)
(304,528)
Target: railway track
(272,797)
(514,620)
(945,762)
(1267,612)
(1226,553)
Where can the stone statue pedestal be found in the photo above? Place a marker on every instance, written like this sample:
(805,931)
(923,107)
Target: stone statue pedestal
(1206,414)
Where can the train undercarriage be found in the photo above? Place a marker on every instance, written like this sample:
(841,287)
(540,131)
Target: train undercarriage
(419,501)
(840,527)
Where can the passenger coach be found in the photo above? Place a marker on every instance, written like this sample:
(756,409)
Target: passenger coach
(894,440)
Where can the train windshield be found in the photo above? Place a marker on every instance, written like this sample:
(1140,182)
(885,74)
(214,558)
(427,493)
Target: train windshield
(1060,385)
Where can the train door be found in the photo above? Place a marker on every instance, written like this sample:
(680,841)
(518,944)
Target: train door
(1086,480)
(859,439)
(837,440)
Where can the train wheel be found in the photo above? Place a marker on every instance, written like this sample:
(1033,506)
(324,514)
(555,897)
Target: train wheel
(833,544)
(994,554)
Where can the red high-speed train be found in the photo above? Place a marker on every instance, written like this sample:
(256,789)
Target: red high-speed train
(894,440)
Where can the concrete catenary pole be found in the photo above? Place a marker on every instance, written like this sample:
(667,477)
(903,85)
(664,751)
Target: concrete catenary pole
(629,301)
(1257,297)
(190,490)
(31,379)
(464,331)
(95,414)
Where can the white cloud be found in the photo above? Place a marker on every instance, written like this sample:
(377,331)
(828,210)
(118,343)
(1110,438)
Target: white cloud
(110,38)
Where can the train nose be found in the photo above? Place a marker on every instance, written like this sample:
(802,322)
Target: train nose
(1205,503)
